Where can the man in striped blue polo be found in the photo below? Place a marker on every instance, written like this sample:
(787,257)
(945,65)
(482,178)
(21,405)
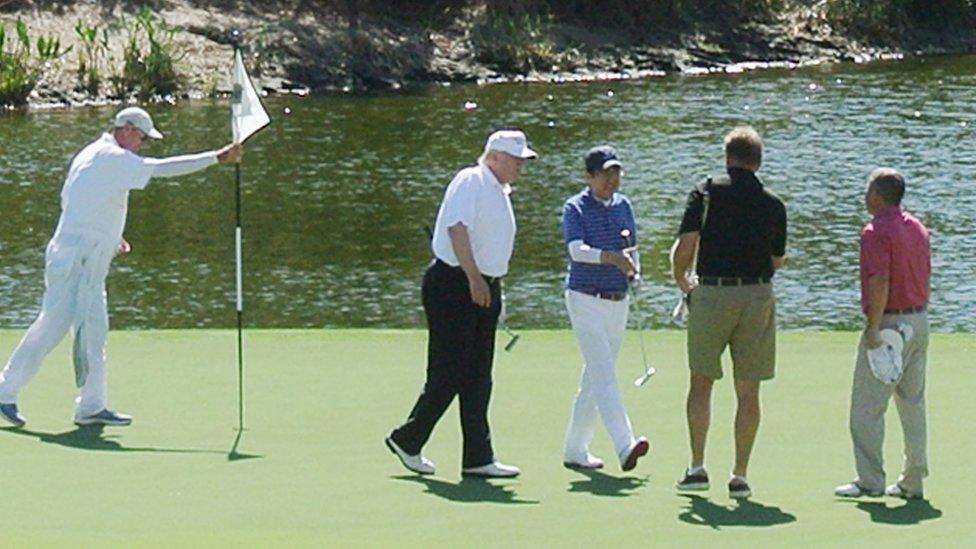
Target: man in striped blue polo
(600,233)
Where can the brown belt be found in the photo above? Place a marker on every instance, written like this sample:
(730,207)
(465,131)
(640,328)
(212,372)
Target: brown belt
(611,296)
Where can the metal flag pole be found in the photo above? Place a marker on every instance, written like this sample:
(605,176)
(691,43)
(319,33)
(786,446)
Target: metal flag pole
(238,236)
(239,259)
(247,118)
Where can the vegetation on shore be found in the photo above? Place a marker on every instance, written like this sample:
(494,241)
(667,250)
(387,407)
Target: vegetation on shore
(146,68)
(125,50)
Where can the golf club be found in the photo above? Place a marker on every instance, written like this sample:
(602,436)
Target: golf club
(648,371)
(503,322)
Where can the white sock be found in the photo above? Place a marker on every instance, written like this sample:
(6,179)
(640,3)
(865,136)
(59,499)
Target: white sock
(734,476)
(696,469)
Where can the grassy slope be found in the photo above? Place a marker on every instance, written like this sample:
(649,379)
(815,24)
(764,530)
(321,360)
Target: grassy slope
(320,402)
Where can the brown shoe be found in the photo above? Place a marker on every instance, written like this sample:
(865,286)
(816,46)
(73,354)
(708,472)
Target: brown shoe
(638,450)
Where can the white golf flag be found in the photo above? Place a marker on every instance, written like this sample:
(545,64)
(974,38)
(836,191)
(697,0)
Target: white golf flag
(247,113)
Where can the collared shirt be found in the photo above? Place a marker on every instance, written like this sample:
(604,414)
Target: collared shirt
(476,199)
(895,243)
(744,228)
(598,225)
(95,196)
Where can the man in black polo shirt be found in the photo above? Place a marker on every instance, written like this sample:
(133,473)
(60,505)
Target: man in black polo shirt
(738,230)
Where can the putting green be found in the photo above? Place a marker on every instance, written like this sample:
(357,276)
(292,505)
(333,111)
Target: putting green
(314,471)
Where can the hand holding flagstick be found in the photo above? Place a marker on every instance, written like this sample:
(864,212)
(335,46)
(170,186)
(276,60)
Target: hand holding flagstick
(230,154)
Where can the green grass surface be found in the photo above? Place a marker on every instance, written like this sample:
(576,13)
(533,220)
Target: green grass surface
(320,402)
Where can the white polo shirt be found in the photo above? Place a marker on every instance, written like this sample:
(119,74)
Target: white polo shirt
(476,199)
(95,197)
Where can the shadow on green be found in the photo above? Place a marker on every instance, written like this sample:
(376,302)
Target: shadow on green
(602,484)
(468,490)
(913,511)
(234,455)
(93,437)
(744,512)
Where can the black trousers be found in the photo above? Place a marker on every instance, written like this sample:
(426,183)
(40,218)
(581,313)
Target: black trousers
(460,351)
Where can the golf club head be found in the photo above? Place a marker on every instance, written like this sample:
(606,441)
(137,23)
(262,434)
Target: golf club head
(643,379)
(511,343)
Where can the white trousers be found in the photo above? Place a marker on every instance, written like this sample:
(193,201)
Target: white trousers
(74,297)
(599,325)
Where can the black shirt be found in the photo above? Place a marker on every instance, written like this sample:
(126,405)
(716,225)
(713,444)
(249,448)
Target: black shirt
(745,226)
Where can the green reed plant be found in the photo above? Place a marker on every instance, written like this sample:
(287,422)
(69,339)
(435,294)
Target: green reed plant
(91,56)
(22,63)
(149,58)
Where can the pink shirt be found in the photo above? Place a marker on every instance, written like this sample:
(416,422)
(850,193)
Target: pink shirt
(896,244)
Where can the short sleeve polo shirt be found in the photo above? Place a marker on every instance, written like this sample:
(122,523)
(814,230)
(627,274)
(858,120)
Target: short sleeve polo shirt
(744,228)
(476,199)
(598,225)
(896,244)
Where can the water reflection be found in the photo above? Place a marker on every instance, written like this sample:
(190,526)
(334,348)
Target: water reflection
(337,192)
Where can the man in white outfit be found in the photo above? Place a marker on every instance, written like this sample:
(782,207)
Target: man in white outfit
(94,200)
(600,233)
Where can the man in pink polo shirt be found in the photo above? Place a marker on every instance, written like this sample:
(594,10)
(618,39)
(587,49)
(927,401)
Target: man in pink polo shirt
(895,269)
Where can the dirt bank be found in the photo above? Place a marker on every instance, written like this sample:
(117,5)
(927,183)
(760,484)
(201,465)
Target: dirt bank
(298,46)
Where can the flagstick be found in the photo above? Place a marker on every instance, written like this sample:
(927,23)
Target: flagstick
(247,118)
(238,234)
(238,237)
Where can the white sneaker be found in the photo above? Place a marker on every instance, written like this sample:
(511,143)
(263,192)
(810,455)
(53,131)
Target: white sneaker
(589,461)
(418,463)
(896,490)
(854,490)
(494,469)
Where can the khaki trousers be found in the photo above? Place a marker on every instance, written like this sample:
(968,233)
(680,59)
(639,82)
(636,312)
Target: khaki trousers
(869,401)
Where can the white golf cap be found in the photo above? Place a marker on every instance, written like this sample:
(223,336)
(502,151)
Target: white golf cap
(511,142)
(138,118)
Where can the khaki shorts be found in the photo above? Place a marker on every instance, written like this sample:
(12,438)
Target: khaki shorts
(741,317)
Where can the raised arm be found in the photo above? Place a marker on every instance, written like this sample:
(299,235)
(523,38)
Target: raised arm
(188,163)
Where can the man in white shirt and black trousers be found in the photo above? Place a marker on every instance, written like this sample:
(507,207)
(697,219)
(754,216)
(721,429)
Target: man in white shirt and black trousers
(94,201)
(473,240)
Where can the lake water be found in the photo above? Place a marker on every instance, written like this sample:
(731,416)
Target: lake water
(338,190)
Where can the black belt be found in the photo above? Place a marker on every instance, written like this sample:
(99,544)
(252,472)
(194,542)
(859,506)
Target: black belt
(491,280)
(908,311)
(733,280)
(611,296)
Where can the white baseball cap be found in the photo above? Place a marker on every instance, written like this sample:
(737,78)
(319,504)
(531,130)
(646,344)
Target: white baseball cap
(140,119)
(511,142)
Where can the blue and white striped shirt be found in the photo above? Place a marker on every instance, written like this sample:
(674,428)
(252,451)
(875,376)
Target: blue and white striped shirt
(586,218)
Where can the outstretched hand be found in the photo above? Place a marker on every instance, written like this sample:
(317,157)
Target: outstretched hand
(230,154)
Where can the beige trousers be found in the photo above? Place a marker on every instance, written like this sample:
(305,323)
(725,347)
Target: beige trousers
(869,401)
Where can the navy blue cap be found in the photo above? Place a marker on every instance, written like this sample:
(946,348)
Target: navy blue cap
(601,158)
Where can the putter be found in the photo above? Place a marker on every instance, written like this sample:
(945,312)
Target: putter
(648,371)
(513,337)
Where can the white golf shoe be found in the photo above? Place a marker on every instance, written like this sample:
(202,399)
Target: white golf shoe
(896,490)
(494,469)
(854,490)
(588,462)
(416,463)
